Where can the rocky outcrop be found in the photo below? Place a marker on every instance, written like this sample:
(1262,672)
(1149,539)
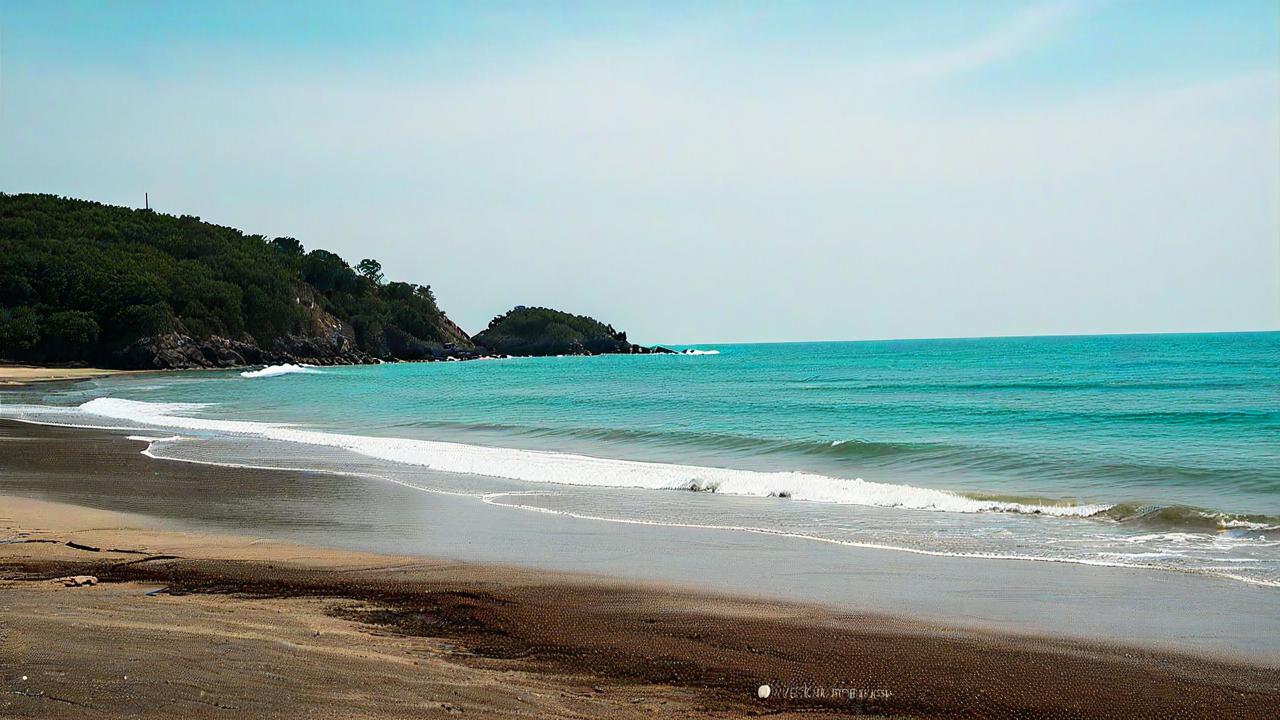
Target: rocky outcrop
(543,331)
(77,580)
(404,346)
(175,351)
(331,348)
(328,341)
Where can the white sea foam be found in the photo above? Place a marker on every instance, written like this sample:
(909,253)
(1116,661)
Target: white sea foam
(695,351)
(1160,549)
(1227,572)
(274,370)
(494,498)
(570,469)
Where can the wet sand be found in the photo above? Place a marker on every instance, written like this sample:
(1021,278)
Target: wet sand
(260,628)
(196,624)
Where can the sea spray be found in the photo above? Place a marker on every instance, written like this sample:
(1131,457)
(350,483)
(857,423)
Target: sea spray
(276,370)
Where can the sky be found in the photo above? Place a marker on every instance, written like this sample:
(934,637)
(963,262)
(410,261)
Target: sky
(697,172)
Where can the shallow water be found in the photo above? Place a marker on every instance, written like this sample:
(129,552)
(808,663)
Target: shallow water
(361,509)
(1148,451)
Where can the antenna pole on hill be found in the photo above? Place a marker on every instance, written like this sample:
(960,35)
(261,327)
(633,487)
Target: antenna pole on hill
(146,198)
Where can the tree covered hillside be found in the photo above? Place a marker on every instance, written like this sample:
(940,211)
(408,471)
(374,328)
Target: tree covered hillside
(543,331)
(83,281)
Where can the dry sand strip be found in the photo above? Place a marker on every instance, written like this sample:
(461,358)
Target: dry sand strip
(26,374)
(186,625)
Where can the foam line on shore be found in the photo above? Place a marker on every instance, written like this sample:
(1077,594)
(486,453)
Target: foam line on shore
(492,499)
(571,469)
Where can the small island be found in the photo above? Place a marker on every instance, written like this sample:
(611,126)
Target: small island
(543,331)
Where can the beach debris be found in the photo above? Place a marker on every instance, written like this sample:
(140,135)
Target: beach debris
(77,580)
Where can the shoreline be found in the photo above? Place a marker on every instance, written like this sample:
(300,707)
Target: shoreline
(354,510)
(563,644)
(535,485)
(492,638)
(17,375)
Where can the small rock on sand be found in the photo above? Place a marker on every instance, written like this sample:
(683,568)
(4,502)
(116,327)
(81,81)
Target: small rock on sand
(78,580)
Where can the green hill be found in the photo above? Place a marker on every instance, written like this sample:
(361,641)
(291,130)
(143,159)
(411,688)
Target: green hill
(543,331)
(85,282)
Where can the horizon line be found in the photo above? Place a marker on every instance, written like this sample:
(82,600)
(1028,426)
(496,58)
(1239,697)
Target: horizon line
(980,337)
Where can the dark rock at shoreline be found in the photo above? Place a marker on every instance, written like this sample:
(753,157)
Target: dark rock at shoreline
(175,351)
(330,348)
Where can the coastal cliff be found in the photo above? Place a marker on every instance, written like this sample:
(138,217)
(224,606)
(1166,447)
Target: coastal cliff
(83,282)
(86,283)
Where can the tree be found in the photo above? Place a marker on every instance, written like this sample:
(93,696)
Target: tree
(19,331)
(288,245)
(543,331)
(371,269)
(69,335)
(327,272)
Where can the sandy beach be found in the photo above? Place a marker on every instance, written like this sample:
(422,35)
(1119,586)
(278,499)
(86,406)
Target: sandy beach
(207,624)
(886,360)
(11,374)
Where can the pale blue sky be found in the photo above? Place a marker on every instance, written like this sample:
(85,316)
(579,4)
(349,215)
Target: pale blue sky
(698,172)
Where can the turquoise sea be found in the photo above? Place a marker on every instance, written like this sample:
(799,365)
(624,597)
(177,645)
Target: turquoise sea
(1158,451)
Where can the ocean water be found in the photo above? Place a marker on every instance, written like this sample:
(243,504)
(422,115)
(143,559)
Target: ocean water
(1154,451)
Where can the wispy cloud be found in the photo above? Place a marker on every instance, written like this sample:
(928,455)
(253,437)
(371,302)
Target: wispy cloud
(1024,31)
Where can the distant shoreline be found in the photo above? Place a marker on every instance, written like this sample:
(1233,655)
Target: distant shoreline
(21,374)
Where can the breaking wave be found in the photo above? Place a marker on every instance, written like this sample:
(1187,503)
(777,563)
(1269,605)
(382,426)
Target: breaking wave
(1190,518)
(571,469)
(274,370)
